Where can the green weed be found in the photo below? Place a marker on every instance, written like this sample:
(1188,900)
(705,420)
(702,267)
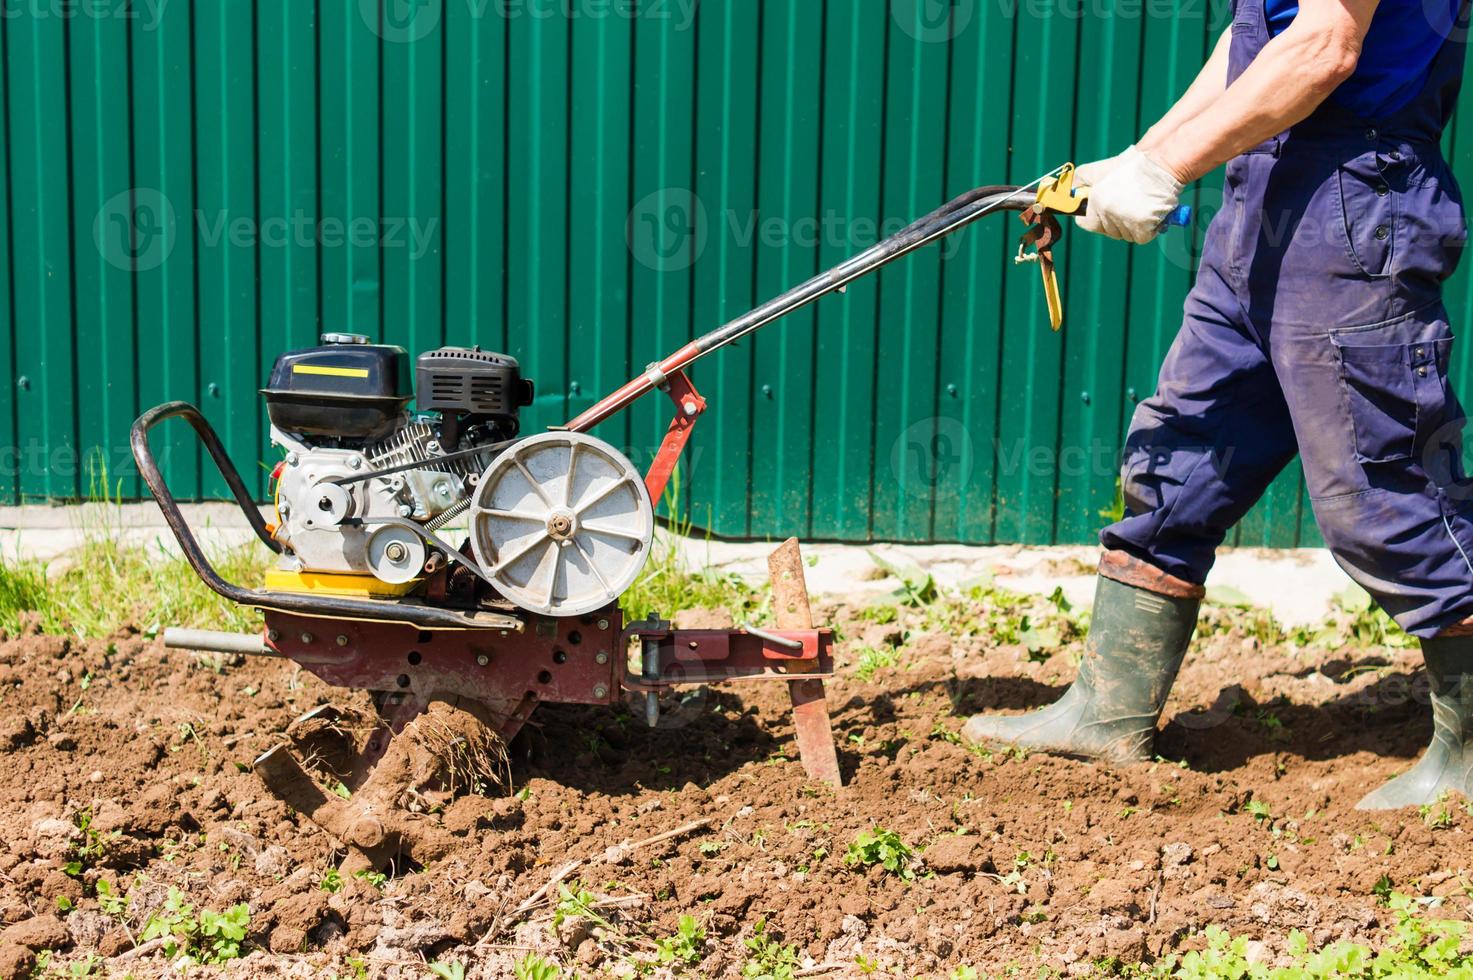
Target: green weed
(111,902)
(453,970)
(91,845)
(871,660)
(534,967)
(1416,948)
(882,847)
(108,581)
(768,959)
(667,584)
(687,946)
(917,587)
(200,936)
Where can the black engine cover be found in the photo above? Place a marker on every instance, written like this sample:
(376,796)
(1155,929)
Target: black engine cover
(349,390)
(473,383)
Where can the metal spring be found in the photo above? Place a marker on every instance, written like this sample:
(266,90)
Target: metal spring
(456,509)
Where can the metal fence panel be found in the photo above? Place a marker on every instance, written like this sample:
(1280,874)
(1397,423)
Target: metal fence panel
(190,187)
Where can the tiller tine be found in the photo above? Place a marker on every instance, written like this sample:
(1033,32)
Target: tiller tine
(439,745)
(810,707)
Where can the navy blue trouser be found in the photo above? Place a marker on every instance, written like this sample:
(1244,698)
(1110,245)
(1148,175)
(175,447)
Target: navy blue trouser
(1316,326)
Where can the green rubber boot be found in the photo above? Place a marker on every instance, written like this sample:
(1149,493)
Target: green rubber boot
(1447,765)
(1137,639)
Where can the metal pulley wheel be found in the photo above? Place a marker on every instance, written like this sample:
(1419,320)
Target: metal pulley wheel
(561,523)
(396,554)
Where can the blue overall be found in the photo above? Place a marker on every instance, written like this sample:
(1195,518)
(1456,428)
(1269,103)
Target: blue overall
(1316,326)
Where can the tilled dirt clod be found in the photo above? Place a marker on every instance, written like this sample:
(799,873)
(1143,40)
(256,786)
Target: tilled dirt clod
(126,771)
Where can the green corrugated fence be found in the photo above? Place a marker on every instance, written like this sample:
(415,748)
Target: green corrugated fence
(191,186)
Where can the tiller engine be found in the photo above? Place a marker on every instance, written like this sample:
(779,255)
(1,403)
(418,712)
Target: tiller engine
(368,593)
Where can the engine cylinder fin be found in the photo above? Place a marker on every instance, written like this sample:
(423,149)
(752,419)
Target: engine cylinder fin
(409,445)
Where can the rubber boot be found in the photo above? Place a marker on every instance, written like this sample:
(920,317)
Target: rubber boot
(1447,765)
(1143,621)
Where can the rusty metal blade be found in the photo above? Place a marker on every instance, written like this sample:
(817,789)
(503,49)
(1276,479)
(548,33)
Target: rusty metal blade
(810,708)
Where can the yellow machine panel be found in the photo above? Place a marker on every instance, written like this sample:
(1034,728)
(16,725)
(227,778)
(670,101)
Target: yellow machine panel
(329,583)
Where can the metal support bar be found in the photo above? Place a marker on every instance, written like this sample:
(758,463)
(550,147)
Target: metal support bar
(949,218)
(689,405)
(810,708)
(215,641)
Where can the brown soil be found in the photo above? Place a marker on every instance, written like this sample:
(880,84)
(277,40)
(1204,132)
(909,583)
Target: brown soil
(1022,860)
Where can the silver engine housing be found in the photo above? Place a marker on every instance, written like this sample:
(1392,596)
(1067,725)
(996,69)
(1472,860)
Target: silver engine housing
(359,528)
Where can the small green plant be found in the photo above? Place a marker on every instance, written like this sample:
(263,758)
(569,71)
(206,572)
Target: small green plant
(871,660)
(375,878)
(332,881)
(881,612)
(91,845)
(964,972)
(940,733)
(84,966)
(1259,810)
(576,902)
(917,587)
(882,847)
(1415,948)
(534,967)
(453,970)
(768,959)
(687,946)
(1436,818)
(201,936)
(710,848)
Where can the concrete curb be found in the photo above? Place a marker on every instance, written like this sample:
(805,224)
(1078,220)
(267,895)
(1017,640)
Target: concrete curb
(1297,586)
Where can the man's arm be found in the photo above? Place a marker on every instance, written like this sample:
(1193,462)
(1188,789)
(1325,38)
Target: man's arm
(1289,79)
(1208,87)
(1131,195)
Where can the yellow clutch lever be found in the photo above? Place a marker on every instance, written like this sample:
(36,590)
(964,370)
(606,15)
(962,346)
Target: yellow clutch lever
(1060,195)
(1056,196)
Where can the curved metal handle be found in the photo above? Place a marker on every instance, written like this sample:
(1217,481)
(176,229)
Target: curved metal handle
(425,617)
(143,456)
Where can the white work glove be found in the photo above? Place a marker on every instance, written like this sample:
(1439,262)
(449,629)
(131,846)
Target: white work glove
(1090,174)
(1132,200)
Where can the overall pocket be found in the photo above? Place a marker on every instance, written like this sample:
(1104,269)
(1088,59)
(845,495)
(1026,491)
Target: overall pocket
(1398,395)
(1368,208)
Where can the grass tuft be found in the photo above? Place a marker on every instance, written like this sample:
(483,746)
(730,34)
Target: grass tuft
(110,581)
(668,585)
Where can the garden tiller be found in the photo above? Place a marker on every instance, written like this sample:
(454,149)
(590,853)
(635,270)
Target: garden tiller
(369,594)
